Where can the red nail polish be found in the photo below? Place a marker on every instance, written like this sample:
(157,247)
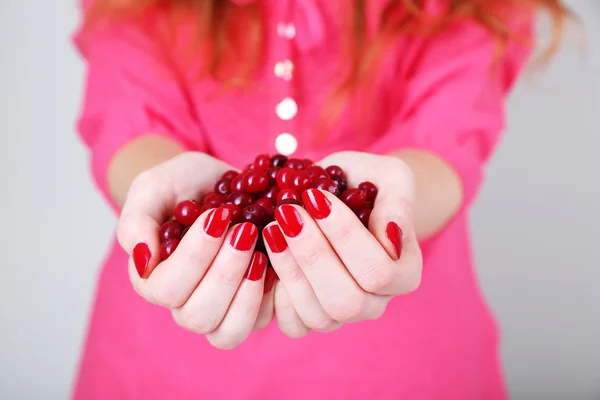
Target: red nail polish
(257,266)
(217,221)
(270,279)
(394,234)
(275,239)
(316,203)
(141,258)
(289,220)
(243,237)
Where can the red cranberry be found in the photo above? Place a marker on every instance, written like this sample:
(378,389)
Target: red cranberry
(256,181)
(230,174)
(262,161)
(370,189)
(334,171)
(267,204)
(240,199)
(170,230)
(223,186)
(354,198)
(327,184)
(272,175)
(272,193)
(236,212)
(213,199)
(237,183)
(364,215)
(168,247)
(285,177)
(286,194)
(256,215)
(294,163)
(307,163)
(207,207)
(290,201)
(341,183)
(278,160)
(369,204)
(301,181)
(315,172)
(187,212)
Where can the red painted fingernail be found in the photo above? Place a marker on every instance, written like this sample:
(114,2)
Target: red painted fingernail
(243,237)
(289,220)
(270,279)
(275,239)
(316,203)
(257,266)
(217,221)
(394,234)
(141,258)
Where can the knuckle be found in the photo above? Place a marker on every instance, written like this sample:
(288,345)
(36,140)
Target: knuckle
(349,309)
(342,235)
(294,330)
(196,323)
(228,276)
(377,279)
(310,257)
(224,340)
(320,323)
(165,296)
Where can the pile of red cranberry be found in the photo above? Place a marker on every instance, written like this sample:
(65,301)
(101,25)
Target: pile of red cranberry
(253,194)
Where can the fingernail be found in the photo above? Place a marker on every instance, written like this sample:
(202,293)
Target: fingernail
(217,221)
(394,234)
(316,203)
(289,220)
(275,239)
(270,279)
(141,258)
(257,266)
(244,236)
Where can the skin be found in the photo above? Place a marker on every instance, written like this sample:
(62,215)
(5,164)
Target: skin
(334,272)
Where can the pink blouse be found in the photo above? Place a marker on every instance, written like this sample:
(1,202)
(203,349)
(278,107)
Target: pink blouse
(438,94)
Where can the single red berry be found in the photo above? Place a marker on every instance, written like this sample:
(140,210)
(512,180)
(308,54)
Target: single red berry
(256,215)
(207,207)
(272,193)
(187,212)
(236,212)
(170,230)
(370,189)
(278,160)
(327,184)
(267,204)
(240,199)
(230,174)
(237,183)
(168,247)
(285,177)
(369,204)
(334,171)
(364,215)
(213,199)
(262,161)
(294,163)
(290,201)
(354,198)
(307,162)
(287,194)
(315,172)
(301,181)
(255,181)
(223,186)
(272,175)
(341,183)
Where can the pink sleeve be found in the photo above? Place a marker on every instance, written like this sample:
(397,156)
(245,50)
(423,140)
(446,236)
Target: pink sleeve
(130,91)
(453,104)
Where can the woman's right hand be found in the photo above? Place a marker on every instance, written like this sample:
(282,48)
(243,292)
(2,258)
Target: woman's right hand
(213,283)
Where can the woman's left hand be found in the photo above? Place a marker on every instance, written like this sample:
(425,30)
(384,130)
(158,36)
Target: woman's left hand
(332,270)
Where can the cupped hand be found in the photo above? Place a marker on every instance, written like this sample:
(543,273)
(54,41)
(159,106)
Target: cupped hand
(332,270)
(213,282)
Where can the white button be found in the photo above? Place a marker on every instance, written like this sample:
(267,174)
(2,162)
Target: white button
(284,69)
(286,144)
(287,31)
(286,109)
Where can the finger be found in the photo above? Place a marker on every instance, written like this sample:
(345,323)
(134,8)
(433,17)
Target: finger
(173,280)
(337,292)
(267,307)
(243,311)
(296,284)
(206,307)
(288,320)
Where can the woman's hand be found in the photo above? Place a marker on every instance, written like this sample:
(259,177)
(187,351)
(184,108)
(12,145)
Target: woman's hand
(213,282)
(333,270)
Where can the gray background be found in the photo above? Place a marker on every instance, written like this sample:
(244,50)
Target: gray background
(536,224)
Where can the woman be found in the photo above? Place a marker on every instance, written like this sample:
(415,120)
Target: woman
(409,95)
